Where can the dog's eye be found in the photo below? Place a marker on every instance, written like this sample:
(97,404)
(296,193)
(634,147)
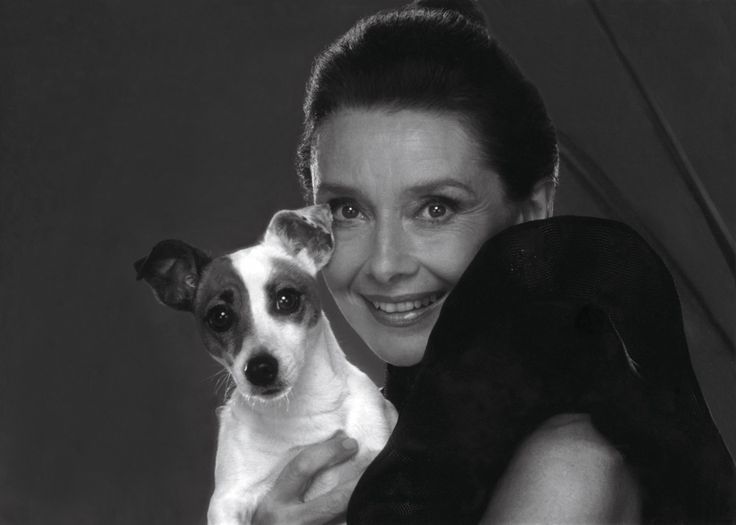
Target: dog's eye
(287,301)
(220,318)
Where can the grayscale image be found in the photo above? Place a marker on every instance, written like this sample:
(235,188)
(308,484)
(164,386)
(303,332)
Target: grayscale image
(368,262)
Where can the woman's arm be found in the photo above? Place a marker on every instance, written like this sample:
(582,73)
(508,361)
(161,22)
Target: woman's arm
(565,472)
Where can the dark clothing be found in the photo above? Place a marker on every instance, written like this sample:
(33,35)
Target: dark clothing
(398,383)
(570,314)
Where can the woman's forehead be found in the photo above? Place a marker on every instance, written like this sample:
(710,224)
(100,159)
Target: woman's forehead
(402,149)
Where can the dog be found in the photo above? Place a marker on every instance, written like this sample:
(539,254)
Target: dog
(259,314)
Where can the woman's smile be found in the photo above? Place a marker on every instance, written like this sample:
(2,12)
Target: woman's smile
(401,311)
(412,202)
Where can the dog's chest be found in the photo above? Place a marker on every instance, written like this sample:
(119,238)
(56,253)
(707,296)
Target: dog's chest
(251,447)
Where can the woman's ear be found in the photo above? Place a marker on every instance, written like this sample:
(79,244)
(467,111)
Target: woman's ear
(540,203)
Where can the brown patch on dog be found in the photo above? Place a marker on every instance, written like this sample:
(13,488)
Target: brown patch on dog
(287,275)
(222,285)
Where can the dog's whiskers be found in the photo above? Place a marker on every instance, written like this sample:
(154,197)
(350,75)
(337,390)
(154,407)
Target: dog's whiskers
(212,377)
(224,382)
(287,400)
(222,378)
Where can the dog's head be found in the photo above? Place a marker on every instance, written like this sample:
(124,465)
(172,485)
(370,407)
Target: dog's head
(256,308)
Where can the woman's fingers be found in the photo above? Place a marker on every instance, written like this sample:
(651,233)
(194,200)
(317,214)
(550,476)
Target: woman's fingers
(298,473)
(329,506)
(323,509)
(284,503)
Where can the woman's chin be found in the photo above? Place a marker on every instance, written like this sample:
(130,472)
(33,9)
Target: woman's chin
(399,353)
(406,360)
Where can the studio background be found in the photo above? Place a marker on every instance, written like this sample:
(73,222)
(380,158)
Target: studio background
(124,123)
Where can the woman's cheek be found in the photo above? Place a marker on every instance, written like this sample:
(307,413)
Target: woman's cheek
(447,258)
(345,262)
(448,253)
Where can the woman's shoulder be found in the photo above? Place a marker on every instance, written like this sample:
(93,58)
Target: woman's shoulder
(565,436)
(565,472)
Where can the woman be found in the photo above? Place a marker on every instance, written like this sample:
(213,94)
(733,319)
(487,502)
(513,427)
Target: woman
(426,141)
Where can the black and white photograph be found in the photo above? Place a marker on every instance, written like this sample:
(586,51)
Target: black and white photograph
(367,262)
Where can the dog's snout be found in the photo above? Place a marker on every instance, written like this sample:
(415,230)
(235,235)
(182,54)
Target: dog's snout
(262,369)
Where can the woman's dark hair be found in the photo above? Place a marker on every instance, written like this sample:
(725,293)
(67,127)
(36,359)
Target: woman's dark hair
(438,56)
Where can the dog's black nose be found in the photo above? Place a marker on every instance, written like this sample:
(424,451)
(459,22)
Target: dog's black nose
(261,370)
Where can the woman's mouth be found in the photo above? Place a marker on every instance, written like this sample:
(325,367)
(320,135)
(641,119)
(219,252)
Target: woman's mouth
(403,310)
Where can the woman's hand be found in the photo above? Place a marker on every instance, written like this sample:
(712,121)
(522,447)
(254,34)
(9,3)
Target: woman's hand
(284,503)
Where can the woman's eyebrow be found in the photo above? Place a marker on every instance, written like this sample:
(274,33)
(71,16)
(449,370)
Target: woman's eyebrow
(437,185)
(337,189)
(422,188)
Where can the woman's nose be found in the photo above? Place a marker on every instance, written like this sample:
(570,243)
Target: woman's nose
(391,254)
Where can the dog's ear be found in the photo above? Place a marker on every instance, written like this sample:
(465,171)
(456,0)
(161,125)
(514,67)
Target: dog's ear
(173,269)
(306,231)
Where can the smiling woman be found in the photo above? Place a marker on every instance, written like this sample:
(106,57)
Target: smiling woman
(502,327)
(413,200)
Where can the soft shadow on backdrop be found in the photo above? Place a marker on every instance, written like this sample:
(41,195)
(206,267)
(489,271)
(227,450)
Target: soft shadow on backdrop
(123,123)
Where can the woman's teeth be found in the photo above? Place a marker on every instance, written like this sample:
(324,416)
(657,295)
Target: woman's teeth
(405,306)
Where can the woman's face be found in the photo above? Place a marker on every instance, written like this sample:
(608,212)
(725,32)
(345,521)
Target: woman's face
(412,201)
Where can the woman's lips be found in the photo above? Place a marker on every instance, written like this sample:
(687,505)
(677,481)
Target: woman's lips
(402,310)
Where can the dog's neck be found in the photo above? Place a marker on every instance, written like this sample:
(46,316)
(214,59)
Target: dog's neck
(322,382)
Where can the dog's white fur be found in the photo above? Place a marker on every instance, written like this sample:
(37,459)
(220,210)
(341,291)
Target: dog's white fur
(323,394)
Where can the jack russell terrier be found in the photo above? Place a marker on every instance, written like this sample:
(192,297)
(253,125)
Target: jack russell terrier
(259,313)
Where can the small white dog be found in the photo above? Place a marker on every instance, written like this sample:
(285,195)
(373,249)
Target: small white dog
(259,314)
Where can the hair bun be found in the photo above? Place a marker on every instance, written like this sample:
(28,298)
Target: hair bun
(467,8)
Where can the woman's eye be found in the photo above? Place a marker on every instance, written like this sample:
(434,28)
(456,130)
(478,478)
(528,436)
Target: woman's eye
(345,209)
(348,211)
(287,301)
(436,210)
(220,318)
